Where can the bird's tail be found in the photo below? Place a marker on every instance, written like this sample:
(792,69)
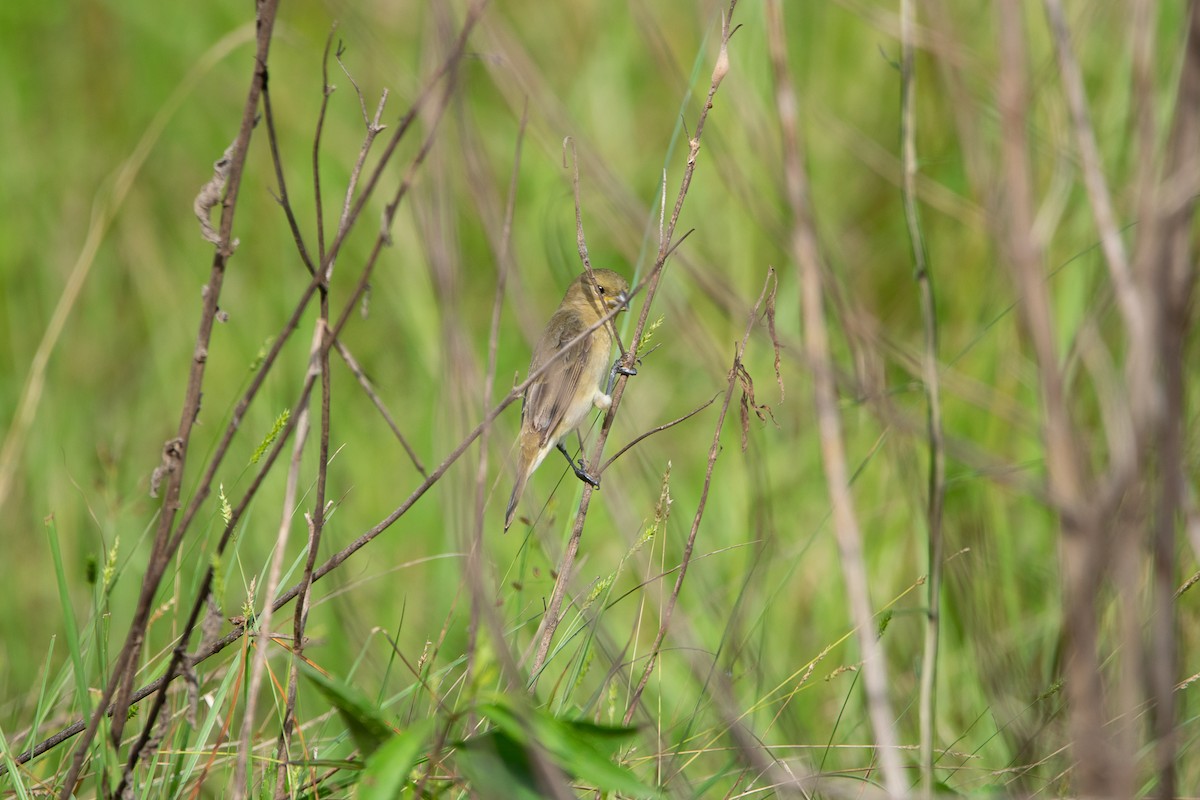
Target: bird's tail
(526,464)
(518,490)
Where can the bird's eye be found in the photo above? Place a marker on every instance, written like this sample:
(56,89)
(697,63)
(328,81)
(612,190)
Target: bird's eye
(601,289)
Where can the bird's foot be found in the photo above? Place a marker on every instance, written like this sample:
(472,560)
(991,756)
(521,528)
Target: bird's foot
(579,467)
(581,472)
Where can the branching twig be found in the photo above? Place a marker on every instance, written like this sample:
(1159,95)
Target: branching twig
(281,181)
(552,618)
(302,426)
(319,363)
(120,683)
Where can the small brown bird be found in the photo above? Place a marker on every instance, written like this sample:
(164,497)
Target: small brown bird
(559,400)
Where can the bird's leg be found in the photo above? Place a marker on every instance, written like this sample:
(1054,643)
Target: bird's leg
(579,468)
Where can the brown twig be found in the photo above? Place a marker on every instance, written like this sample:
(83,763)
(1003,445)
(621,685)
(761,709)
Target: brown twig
(281,181)
(552,618)
(714,449)
(1133,310)
(326,91)
(806,254)
(369,390)
(204,488)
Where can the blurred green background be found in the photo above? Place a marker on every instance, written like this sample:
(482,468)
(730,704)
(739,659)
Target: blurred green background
(113,115)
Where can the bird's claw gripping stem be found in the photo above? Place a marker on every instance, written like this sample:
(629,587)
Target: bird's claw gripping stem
(579,468)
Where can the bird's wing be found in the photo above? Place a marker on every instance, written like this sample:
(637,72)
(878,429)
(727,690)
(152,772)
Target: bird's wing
(548,397)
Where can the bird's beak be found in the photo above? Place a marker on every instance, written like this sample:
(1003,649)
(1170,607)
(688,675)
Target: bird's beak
(620,300)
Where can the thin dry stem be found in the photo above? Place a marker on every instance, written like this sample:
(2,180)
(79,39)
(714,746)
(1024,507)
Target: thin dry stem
(656,429)
(1133,308)
(714,449)
(369,390)
(319,205)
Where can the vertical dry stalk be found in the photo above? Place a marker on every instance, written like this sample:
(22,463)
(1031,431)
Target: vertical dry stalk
(1082,544)
(1129,301)
(1166,262)
(504,261)
(262,638)
(805,253)
(933,398)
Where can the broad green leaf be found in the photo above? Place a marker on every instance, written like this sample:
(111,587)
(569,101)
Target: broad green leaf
(498,767)
(581,749)
(362,717)
(388,767)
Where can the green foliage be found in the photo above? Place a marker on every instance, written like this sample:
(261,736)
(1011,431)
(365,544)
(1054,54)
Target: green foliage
(388,769)
(503,762)
(366,726)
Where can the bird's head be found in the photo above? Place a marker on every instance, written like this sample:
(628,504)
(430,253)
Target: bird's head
(601,288)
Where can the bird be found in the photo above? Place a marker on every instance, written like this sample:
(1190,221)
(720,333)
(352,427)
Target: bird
(558,401)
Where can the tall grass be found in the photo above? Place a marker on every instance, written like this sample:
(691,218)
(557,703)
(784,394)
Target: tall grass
(708,561)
